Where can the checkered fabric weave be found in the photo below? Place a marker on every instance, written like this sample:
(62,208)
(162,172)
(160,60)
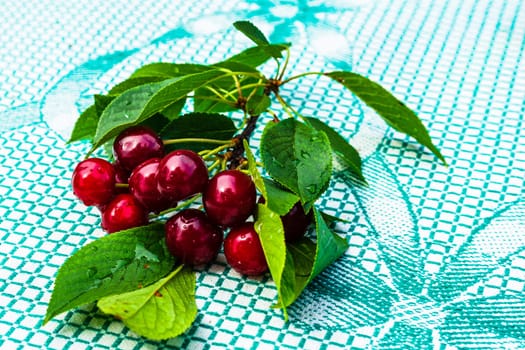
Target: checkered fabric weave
(437,254)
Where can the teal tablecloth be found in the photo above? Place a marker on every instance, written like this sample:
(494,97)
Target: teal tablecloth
(436,256)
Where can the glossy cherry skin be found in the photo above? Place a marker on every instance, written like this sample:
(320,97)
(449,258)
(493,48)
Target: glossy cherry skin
(244,252)
(229,198)
(181,174)
(121,174)
(123,212)
(192,238)
(121,177)
(143,186)
(135,145)
(295,223)
(93,181)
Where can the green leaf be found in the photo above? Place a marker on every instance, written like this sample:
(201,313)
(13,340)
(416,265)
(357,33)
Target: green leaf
(155,122)
(330,219)
(126,110)
(173,111)
(108,150)
(252,169)
(236,66)
(101,102)
(298,157)
(206,100)
(158,121)
(307,259)
(392,110)
(252,32)
(198,125)
(255,35)
(278,198)
(258,104)
(134,82)
(270,229)
(138,104)
(169,70)
(296,274)
(342,149)
(329,246)
(113,264)
(257,55)
(85,126)
(160,311)
(289,281)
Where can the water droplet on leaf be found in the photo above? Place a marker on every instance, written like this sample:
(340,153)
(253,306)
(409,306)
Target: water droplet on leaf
(305,154)
(312,189)
(91,272)
(277,162)
(119,265)
(316,138)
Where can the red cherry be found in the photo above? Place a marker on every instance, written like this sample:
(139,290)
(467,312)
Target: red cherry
(192,238)
(295,223)
(135,145)
(121,177)
(93,181)
(244,252)
(229,198)
(121,174)
(123,212)
(143,186)
(181,174)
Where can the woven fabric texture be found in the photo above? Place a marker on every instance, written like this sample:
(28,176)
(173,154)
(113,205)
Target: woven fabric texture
(437,254)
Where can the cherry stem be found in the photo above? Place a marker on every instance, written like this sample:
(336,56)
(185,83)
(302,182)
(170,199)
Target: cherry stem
(280,77)
(254,91)
(214,165)
(248,86)
(274,115)
(182,205)
(242,166)
(285,105)
(237,152)
(221,99)
(199,140)
(121,185)
(237,85)
(260,83)
(226,94)
(300,76)
(208,153)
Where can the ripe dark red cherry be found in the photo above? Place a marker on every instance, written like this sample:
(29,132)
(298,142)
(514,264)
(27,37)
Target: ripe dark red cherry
(121,174)
(123,212)
(93,181)
(229,198)
(121,177)
(181,174)
(192,238)
(244,252)
(143,186)
(135,145)
(295,223)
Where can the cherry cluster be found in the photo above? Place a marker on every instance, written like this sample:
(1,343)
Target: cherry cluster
(144,180)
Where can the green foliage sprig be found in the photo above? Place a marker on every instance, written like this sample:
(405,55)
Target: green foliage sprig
(130,273)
